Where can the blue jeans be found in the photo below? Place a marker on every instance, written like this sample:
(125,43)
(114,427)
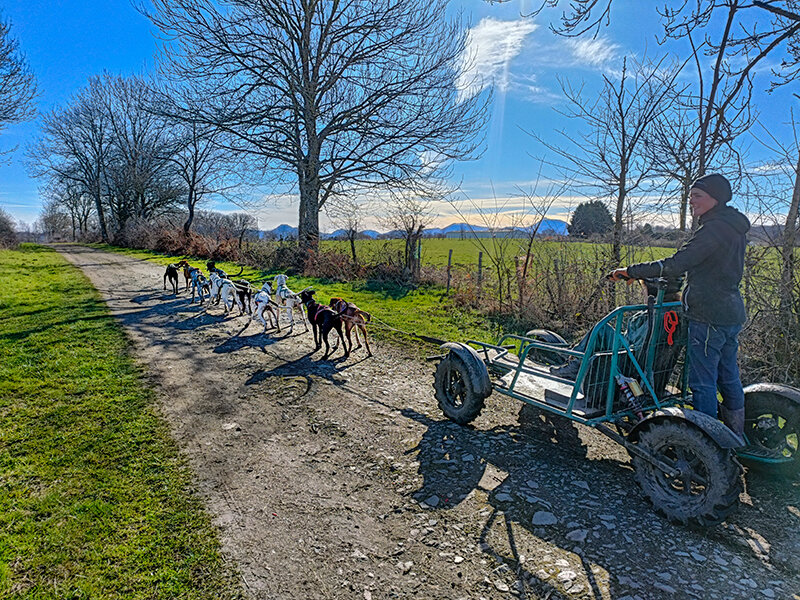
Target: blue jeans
(712,366)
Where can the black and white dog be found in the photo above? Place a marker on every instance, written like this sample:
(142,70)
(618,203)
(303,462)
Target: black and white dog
(264,304)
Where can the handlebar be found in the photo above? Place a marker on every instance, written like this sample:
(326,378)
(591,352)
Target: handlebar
(661,283)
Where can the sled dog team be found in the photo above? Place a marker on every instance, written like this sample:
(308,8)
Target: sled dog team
(266,304)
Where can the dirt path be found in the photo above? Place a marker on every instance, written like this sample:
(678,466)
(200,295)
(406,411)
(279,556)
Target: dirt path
(341,479)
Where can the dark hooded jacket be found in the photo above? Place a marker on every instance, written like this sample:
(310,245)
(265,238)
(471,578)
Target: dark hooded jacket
(713,260)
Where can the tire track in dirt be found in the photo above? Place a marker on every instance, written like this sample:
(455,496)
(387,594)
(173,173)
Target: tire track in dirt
(341,479)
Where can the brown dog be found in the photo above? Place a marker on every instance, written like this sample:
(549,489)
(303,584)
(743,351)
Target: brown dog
(323,319)
(352,316)
(186,274)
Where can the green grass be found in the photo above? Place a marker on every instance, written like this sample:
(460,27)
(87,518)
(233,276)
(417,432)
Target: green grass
(435,251)
(94,498)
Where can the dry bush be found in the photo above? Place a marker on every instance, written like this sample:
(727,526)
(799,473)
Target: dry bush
(273,256)
(333,265)
(770,340)
(8,237)
(770,348)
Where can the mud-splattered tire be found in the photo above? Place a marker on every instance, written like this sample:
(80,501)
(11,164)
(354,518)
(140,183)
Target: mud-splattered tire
(545,357)
(772,424)
(457,390)
(710,487)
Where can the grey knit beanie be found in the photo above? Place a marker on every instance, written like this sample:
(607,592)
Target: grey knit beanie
(716,186)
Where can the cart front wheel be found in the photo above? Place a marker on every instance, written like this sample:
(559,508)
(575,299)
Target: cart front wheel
(707,488)
(456,390)
(547,357)
(772,427)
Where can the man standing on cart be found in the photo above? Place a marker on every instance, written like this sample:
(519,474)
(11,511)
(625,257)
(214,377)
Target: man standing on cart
(713,260)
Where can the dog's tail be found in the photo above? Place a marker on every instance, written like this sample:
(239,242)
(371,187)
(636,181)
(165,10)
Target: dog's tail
(365,315)
(241,270)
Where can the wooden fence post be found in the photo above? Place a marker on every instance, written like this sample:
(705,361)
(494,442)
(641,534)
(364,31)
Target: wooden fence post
(480,273)
(449,264)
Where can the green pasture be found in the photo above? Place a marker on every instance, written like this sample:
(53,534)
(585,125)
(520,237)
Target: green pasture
(95,501)
(435,251)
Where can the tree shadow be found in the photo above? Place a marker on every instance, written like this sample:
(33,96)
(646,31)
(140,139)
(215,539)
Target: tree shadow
(303,367)
(387,289)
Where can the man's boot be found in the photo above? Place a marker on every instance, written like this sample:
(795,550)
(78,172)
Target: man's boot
(734,419)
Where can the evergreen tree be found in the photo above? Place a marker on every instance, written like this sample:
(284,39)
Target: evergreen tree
(591,218)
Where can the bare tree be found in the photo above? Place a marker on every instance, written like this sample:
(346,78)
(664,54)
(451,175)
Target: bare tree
(720,99)
(610,158)
(240,224)
(8,235)
(76,144)
(205,167)
(330,93)
(72,198)
(410,212)
(200,153)
(54,220)
(17,84)
(723,94)
(539,199)
(784,175)
(675,146)
(140,177)
(348,212)
(500,218)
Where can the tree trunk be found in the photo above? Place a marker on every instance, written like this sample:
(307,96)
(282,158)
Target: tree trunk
(190,205)
(353,247)
(684,202)
(616,247)
(101,219)
(308,224)
(787,250)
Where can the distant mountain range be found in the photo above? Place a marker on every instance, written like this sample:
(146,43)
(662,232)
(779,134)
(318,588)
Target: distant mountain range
(455,230)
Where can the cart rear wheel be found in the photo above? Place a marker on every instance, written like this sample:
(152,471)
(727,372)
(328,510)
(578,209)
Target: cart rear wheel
(772,427)
(707,489)
(545,357)
(457,389)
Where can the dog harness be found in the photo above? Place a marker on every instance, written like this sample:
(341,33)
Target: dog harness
(321,309)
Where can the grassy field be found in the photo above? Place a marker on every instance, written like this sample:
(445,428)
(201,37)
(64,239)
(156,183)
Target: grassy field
(435,251)
(94,498)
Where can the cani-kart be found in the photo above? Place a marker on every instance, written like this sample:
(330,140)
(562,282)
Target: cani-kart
(685,461)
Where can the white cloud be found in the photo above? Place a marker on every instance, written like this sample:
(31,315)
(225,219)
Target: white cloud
(491,46)
(598,52)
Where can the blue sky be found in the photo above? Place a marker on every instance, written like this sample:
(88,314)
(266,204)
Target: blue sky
(66,42)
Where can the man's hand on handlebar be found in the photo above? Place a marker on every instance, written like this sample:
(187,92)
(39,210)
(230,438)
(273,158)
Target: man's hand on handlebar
(620,275)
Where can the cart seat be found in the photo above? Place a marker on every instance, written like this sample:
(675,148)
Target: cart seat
(547,391)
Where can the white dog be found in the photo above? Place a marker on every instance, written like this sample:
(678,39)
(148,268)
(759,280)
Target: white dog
(289,301)
(262,301)
(224,288)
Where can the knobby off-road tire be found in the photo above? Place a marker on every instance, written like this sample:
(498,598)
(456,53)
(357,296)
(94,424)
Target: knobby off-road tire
(545,357)
(708,492)
(772,423)
(456,388)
